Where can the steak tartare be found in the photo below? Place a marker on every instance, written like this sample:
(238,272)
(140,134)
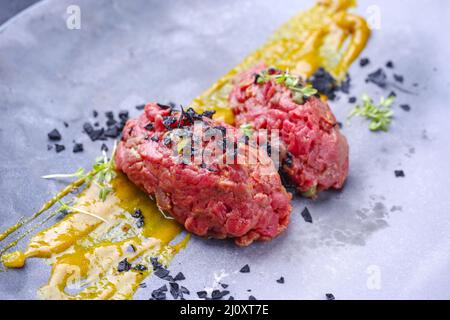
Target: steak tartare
(241,201)
(315,153)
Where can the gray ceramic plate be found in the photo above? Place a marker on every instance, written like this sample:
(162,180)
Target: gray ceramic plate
(381,237)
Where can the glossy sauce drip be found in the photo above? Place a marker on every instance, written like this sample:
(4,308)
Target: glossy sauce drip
(326,35)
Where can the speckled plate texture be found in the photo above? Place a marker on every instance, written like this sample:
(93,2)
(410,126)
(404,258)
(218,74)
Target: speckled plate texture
(381,237)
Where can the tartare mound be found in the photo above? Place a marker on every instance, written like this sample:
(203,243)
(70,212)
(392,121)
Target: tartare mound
(244,202)
(315,153)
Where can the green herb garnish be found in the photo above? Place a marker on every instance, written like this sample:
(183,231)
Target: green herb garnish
(300,92)
(380,115)
(66,207)
(247,129)
(103,172)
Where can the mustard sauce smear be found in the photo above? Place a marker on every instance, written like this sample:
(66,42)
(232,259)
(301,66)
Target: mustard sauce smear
(326,35)
(84,250)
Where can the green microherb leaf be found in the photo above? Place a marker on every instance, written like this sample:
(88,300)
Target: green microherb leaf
(310,192)
(380,115)
(104,193)
(66,207)
(308,91)
(103,172)
(79,173)
(247,129)
(299,91)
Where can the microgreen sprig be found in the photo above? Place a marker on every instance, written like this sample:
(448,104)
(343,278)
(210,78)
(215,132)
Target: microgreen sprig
(103,172)
(78,174)
(66,207)
(380,115)
(247,129)
(300,91)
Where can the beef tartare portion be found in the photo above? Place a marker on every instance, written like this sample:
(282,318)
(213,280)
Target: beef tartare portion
(314,153)
(217,199)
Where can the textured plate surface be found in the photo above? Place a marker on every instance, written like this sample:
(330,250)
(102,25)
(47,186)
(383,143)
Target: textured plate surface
(381,237)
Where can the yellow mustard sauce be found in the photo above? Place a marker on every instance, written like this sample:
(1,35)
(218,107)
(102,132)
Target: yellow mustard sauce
(84,250)
(326,35)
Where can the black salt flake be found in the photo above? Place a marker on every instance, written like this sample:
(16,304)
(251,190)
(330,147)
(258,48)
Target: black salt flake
(59,148)
(202,294)
(54,135)
(281,280)
(161,273)
(179,277)
(405,107)
(307,215)
(399,173)
(378,78)
(124,265)
(245,269)
(364,62)
(78,147)
(399,78)
(330,296)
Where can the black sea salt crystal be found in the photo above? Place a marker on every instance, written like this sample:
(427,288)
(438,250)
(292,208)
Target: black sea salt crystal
(124,265)
(399,173)
(281,280)
(306,215)
(104,147)
(324,82)
(390,65)
(399,78)
(378,78)
(160,294)
(202,294)
(330,296)
(364,62)
(123,115)
(251,298)
(184,290)
(112,132)
(175,290)
(179,277)
(217,294)
(140,107)
(405,107)
(54,135)
(245,269)
(109,115)
(59,148)
(161,273)
(78,147)
(208,113)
